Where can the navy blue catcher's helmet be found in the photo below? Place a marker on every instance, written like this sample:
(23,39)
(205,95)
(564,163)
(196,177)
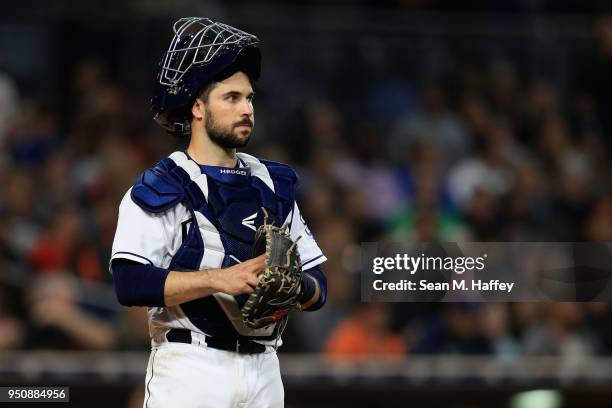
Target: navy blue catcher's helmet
(201,52)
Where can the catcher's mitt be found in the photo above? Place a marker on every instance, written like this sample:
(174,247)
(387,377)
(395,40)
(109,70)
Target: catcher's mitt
(279,284)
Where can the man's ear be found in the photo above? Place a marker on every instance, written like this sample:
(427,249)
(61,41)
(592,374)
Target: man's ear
(197,110)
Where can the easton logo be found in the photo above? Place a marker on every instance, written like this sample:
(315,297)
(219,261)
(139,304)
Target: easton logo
(233,171)
(249,222)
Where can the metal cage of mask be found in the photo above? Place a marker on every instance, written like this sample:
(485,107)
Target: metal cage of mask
(198,41)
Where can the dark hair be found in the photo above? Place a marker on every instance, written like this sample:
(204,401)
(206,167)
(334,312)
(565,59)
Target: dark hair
(205,92)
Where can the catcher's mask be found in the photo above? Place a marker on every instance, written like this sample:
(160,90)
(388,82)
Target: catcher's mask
(201,51)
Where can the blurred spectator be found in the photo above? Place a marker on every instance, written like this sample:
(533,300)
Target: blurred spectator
(488,174)
(570,173)
(33,134)
(58,320)
(318,130)
(20,212)
(523,316)
(63,247)
(526,213)
(427,213)
(562,333)
(496,327)
(435,124)
(54,249)
(366,171)
(458,330)
(57,184)
(365,334)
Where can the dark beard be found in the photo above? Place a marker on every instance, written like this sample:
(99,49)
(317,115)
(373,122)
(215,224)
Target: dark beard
(223,137)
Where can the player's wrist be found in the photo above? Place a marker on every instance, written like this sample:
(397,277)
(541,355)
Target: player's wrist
(212,281)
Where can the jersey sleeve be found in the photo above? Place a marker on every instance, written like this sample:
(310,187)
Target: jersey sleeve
(142,236)
(310,253)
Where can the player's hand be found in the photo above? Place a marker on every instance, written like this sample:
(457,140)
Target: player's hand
(240,278)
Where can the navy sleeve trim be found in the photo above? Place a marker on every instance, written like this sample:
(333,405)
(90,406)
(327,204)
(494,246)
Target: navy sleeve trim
(317,275)
(132,254)
(138,284)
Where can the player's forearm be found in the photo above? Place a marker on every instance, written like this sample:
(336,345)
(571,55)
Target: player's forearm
(183,287)
(146,285)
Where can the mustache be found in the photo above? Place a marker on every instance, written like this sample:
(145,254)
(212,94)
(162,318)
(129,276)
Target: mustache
(245,121)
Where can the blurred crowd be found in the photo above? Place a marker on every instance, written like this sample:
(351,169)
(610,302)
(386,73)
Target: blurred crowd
(490,155)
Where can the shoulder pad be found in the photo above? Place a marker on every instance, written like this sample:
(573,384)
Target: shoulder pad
(280,170)
(155,191)
(285,179)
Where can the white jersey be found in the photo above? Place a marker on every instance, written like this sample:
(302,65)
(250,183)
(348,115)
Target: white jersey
(235,197)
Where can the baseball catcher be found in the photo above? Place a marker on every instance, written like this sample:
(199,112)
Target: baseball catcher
(212,240)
